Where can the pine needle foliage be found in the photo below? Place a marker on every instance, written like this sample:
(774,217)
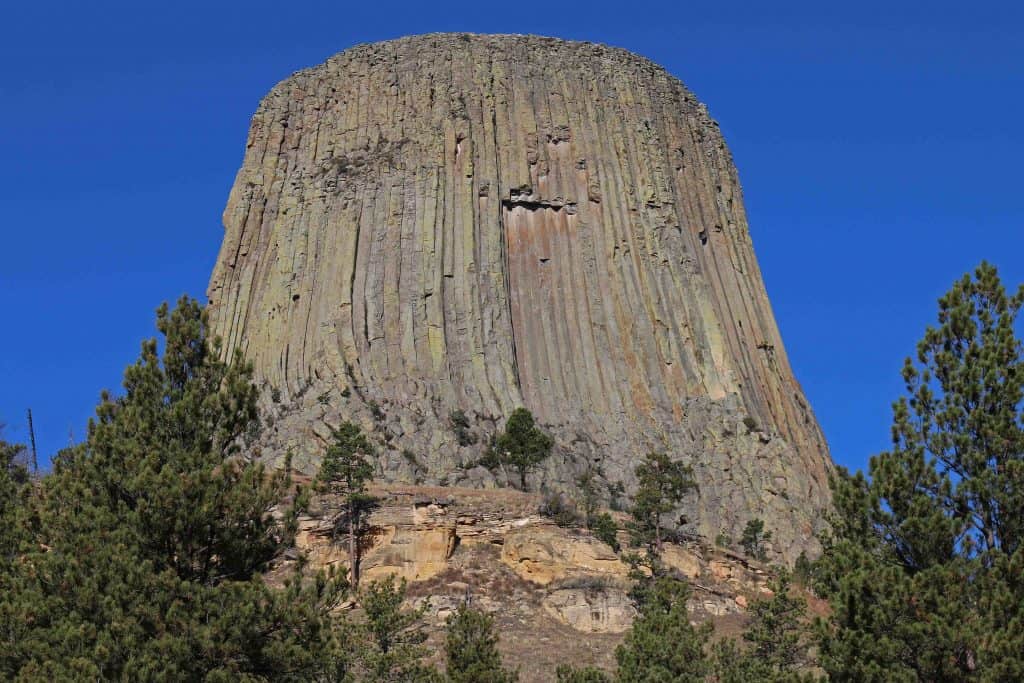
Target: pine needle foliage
(345,472)
(662,646)
(662,484)
(148,541)
(522,445)
(471,649)
(14,480)
(754,539)
(925,568)
(776,642)
(392,648)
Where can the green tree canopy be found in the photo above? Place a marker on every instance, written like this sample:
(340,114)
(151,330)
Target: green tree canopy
(345,471)
(777,640)
(924,566)
(345,466)
(392,650)
(522,445)
(754,538)
(662,646)
(471,649)
(147,542)
(13,479)
(661,486)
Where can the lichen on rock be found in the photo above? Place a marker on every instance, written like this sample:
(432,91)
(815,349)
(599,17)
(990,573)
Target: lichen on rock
(454,222)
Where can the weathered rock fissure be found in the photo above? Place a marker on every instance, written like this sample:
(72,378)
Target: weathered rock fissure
(453,222)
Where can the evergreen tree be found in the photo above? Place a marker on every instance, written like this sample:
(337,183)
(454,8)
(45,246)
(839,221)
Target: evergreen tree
(590,499)
(662,485)
(148,540)
(605,529)
(662,646)
(471,649)
(13,468)
(777,640)
(522,445)
(345,472)
(14,477)
(394,636)
(729,663)
(753,539)
(776,633)
(924,566)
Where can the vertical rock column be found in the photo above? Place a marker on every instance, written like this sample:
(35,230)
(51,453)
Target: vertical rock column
(456,222)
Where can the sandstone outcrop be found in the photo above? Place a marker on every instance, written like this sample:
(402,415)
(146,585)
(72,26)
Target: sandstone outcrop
(470,223)
(592,609)
(558,594)
(546,555)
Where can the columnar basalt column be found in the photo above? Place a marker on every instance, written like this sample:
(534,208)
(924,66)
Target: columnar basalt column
(460,222)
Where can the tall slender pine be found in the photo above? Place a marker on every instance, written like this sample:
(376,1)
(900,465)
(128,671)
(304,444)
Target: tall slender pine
(925,569)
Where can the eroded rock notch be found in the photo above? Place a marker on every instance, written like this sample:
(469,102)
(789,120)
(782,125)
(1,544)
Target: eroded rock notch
(472,223)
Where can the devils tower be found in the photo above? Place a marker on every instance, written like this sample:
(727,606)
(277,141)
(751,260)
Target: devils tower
(470,223)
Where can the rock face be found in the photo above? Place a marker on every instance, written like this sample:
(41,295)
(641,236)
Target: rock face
(474,223)
(544,584)
(544,556)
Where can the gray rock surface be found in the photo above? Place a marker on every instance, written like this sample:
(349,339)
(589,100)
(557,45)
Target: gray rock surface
(461,222)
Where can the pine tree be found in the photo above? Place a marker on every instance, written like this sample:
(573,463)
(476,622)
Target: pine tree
(605,529)
(776,633)
(471,649)
(147,541)
(394,636)
(662,485)
(730,663)
(662,646)
(522,445)
(14,477)
(777,638)
(753,539)
(924,566)
(345,471)
(589,496)
(13,467)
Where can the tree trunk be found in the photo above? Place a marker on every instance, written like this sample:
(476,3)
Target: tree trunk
(353,547)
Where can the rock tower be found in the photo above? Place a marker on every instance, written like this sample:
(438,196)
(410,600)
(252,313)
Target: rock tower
(471,223)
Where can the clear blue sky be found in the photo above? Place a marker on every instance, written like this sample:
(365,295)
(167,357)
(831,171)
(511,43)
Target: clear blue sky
(880,148)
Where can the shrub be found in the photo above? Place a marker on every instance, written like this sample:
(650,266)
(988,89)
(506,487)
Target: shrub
(471,649)
(605,529)
(522,445)
(410,458)
(461,427)
(563,513)
(754,539)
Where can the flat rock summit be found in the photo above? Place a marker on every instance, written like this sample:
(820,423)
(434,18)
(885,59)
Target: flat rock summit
(454,224)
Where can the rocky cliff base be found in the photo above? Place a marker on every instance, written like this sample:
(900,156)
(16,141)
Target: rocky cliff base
(465,224)
(558,594)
